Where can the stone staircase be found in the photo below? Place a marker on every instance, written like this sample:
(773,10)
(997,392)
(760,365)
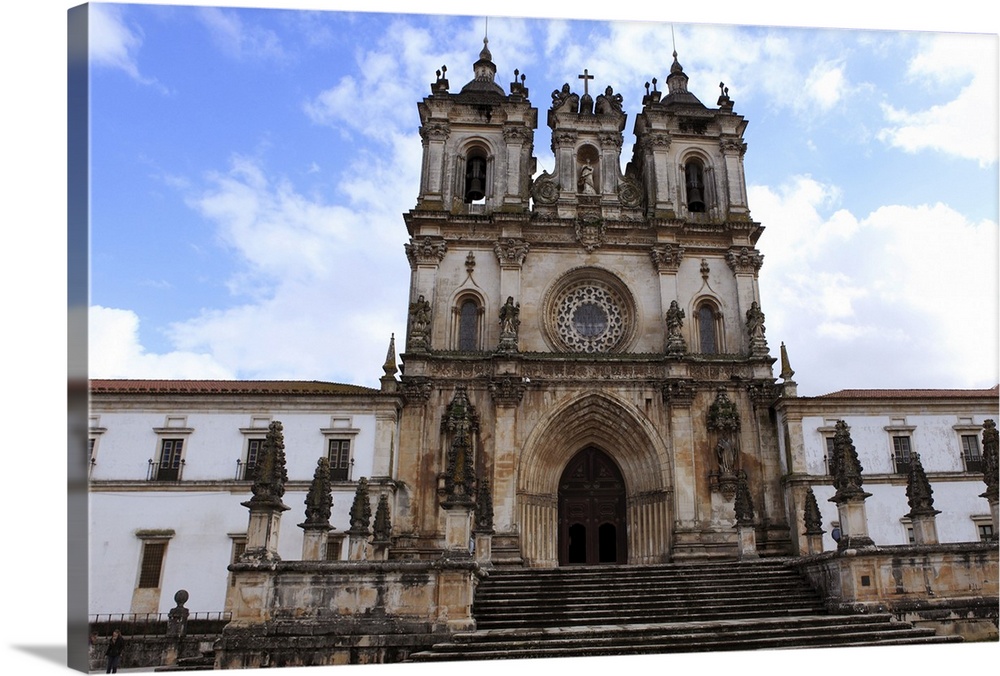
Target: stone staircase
(671,608)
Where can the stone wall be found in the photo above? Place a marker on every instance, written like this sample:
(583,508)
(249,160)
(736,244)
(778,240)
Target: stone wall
(951,587)
(304,613)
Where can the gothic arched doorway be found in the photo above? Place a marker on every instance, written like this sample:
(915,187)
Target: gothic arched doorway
(592,510)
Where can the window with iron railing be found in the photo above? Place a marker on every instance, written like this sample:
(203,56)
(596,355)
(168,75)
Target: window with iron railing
(152,564)
(171,461)
(971,453)
(245,468)
(901,454)
(340,459)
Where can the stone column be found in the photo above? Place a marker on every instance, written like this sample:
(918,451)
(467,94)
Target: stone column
(483,528)
(850,497)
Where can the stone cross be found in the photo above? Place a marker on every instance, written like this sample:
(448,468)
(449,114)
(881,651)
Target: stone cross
(586,76)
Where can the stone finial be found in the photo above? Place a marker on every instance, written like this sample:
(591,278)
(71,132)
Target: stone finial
(919,494)
(675,322)
(845,466)
(270,475)
(786,366)
(484,507)
(389,367)
(319,499)
(813,519)
(361,510)
(743,503)
(991,443)
(382,530)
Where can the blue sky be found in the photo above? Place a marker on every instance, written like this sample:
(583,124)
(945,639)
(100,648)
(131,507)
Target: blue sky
(823,173)
(250,168)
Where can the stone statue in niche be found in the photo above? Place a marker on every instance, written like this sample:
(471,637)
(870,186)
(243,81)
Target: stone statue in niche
(509,323)
(420,323)
(755,329)
(724,423)
(586,183)
(675,322)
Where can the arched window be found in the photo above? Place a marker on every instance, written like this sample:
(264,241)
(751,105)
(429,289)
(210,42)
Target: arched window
(708,329)
(468,325)
(694,184)
(475,176)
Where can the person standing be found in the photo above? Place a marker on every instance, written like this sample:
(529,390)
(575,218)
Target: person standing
(114,652)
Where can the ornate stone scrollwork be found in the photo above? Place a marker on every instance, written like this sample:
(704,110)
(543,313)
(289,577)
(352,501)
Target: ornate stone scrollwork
(460,425)
(511,252)
(416,390)
(545,189)
(507,390)
(435,131)
(429,250)
(732,146)
(744,260)
(630,192)
(679,392)
(563,137)
(516,133)
(667,257)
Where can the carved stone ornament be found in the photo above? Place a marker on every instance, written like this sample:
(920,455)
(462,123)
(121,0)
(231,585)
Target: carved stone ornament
(755,331)
(678,392)
(271,474)
(990,462)
(743,502)
(744,261)
(845,466)
(516,133)
(724,422)
(608,102)
(564,99)
(361,510)
(667,257)
(630,192)
(675,322)
(435,131)
(813,518)
(732,147)
(590,233)
(460,425)
(511,252)
(484,507)
(510,323)
(420,325)
(919,494)
(507,390)
(416,390)
(545,189)
(426,251)
(382,530)
(563,137)
(319,499)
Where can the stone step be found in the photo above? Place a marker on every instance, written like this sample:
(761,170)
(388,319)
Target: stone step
(802,632)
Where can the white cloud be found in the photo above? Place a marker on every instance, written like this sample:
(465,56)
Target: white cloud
(115,352)
(239,40)
(113,43)
(826,84)
(965,126)
(903,297)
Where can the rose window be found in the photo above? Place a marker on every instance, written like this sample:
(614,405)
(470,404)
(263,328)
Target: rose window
(590,317)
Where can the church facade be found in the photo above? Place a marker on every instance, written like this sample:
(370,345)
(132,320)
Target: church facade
(585,377)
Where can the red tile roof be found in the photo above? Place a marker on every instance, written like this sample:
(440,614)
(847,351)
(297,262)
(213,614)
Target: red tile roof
(993,392)
(225,387)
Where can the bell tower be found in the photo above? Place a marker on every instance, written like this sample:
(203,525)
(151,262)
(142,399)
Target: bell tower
(591,324)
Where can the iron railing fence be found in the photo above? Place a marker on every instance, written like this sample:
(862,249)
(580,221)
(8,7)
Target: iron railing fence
(155,624)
